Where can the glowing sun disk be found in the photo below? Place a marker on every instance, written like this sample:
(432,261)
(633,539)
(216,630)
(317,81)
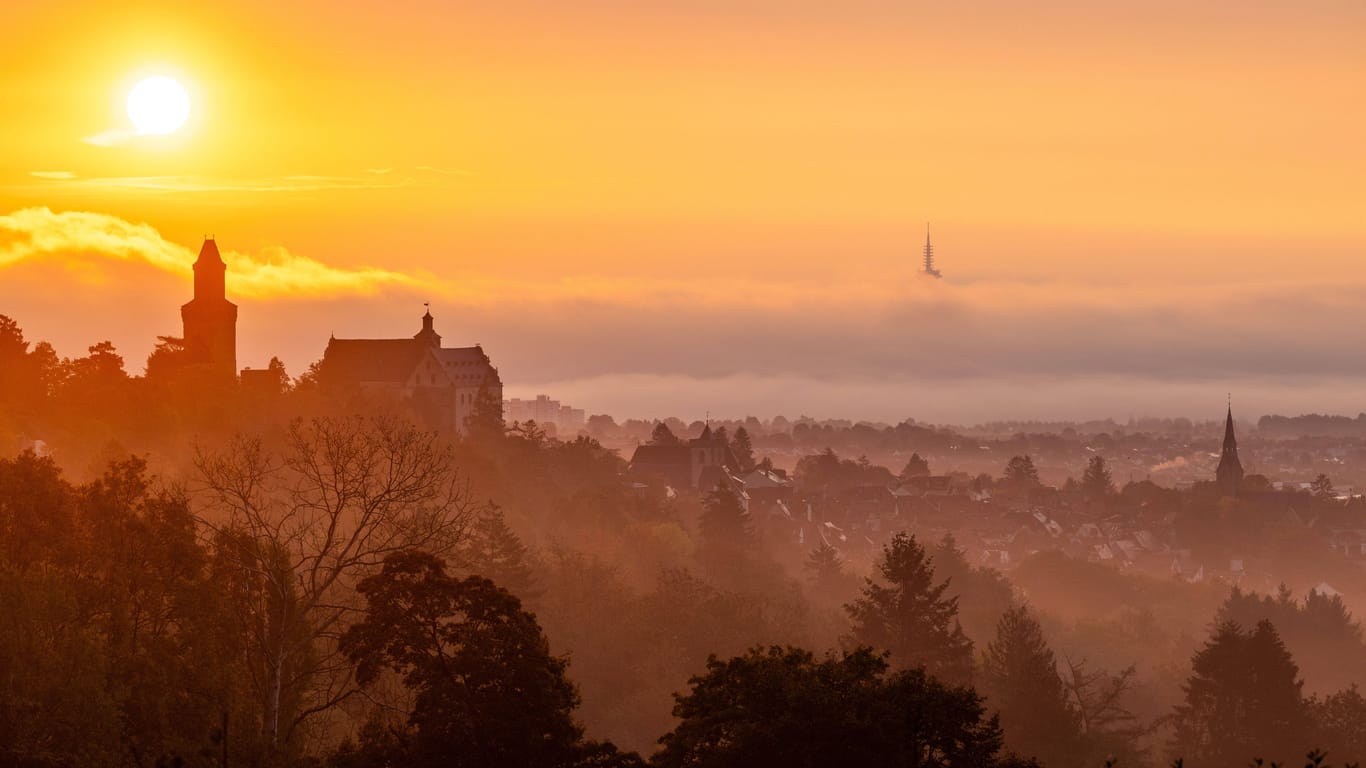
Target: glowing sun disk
(158,105)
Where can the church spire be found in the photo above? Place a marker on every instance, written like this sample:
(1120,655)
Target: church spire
(1229,474)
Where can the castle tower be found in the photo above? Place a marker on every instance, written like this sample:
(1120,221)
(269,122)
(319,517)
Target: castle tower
(210,320)
(929,255)
(1229,475)
(428,334)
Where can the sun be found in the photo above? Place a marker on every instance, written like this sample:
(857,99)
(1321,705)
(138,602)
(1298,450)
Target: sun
(158,105)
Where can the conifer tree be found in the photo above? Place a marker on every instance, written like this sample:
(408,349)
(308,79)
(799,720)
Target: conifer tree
(743,449)
(1021,681)
(662,435)
(492,550)
(1096,481)
(1242,701)
(908,614)
(916,466)
(485,421)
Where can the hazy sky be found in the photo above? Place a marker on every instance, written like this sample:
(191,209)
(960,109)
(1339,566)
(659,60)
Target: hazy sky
(673,207)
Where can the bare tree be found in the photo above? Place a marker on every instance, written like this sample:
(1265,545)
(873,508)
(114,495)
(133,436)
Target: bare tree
(1109,731)
(295,531)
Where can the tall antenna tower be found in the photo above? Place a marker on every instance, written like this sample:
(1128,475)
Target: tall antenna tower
(929,255)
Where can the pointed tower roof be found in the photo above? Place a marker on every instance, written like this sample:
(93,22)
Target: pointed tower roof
(1229,473)
(428,333)
(208,253)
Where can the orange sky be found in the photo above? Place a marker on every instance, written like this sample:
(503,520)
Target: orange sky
(709,171)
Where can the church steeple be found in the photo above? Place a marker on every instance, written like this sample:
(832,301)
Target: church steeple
(1229,475)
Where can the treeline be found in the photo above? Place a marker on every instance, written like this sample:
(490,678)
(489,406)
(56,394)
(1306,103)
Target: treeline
(326,603)
(1313,425)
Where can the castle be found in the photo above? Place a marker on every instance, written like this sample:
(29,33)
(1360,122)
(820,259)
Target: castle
(445,384)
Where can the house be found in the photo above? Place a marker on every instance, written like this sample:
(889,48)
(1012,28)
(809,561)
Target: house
(698,464)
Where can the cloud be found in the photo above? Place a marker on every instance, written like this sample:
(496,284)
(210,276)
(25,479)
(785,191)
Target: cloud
(444,171)
(194,184)
(54,175)
(111,138)
(37,234)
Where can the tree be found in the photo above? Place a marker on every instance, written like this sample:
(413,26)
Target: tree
(491,549)
(826,574)
(1020,679)
(485,421)
(1241,701)
(915,467)
(1340,724)
(728,547)
(910,616)
(167,358)
(743,449)
(1021,472)
(300,526)
(779,706)
(984,595)
(1322,487)
(277,369)
(664,436)
(1096,481)
(1109,731)
(724,523)
(488,692)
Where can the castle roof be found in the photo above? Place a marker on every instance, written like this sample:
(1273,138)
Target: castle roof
(209,252)
(373,360)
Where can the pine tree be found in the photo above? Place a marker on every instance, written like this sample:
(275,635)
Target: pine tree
(908,614)
(1021,472)
(743,449)
(915,467)
(1242,701)
(485,421)
(724,522)
(1096,481)
(1020,679)
(492,550)
(664,436)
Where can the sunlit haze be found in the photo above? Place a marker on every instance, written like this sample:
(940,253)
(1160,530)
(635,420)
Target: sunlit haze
(681,207)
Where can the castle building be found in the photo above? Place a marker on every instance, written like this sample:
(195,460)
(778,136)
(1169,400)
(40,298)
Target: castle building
(210,320)
(1229,474)
(445,384)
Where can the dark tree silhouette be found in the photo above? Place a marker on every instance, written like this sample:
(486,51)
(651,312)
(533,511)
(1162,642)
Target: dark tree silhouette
(1020,680)
(743,448)
(1021,472)
(485,421)
(487,691)
(664,436)
(909,614)
(915,467)
(1096,481)
(491,549)
(782,707)
(1340,724)
(1242,701)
